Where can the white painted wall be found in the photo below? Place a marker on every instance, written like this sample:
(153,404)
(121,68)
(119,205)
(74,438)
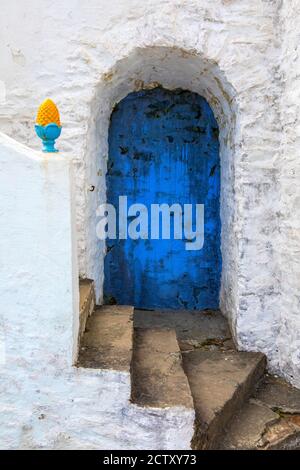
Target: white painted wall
(38,270)
(243,57)
(288,342)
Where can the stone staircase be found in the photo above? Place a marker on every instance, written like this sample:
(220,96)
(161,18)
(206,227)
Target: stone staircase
(187,360)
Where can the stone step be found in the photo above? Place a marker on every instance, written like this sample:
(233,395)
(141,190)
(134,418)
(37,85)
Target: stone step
(221,381)
(158,379)
(86,303)
(107,341)
(270,420)
(194,328)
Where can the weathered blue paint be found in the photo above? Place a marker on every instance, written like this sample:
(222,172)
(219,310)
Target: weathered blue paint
(164,148)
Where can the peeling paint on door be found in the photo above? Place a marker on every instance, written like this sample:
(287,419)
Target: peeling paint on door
(164,148)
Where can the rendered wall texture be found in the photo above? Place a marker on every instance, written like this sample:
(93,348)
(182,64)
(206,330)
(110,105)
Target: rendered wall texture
(288,162)
(242,56)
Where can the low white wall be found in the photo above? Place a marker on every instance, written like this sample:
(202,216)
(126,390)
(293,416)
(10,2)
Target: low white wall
(38,271)
(85,409)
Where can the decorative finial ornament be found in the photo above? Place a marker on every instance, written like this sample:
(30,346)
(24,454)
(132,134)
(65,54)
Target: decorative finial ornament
(48,126)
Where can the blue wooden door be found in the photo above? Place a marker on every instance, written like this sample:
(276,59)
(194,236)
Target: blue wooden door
(164,148)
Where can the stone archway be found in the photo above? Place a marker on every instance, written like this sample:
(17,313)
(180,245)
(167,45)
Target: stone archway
(171,68)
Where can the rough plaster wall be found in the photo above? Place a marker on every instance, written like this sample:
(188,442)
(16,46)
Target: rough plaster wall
(46,403)
(84,409)
(257,184)
(87,57)
(289,339)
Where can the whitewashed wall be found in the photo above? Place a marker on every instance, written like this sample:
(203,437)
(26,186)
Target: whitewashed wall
(38,265)
(241,55)
(288,342)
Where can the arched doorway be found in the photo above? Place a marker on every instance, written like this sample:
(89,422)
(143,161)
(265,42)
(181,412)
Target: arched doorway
(164,149)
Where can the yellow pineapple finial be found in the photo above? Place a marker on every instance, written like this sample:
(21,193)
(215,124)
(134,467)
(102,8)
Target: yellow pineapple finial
(48,113)
(47,125)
